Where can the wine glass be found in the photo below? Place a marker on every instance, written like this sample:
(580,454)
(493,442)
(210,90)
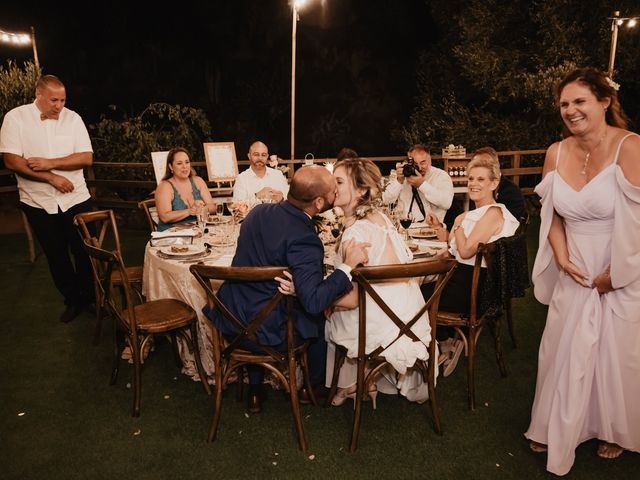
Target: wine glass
(219,211)
(397,212)
(231,206)
(406,220)
(202,215)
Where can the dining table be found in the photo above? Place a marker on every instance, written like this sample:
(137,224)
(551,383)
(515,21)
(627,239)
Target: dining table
(166,275)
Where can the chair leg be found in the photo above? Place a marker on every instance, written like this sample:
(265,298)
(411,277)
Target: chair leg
(340,356)
(29,232)
(97,333)
(137,378)
(471,368)
(295,404)
(99,315)
(196,353)
(176,352)
(433,399)
(217,403)
(307,378)
(115,362)
(357,414)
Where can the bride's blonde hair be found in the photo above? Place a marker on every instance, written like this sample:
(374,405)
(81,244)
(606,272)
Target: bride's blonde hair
(365,175)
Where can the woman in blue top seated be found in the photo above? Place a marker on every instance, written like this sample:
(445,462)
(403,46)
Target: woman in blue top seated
(181,193)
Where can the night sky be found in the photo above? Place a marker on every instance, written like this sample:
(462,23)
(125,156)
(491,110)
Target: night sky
(356,64)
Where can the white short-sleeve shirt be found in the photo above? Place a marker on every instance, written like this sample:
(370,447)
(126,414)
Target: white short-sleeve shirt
(24,134)
(248,184)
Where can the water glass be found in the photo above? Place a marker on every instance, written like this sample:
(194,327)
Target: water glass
(202,217)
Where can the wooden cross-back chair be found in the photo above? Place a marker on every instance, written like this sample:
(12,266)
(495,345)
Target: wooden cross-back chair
(149,208)
(100,227)
(139,322)
(230,355)
(488,302)
(366,278)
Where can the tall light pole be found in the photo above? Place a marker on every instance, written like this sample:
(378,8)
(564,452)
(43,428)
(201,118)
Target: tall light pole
(616,22)
(21,40)
(295,5)
(35,49)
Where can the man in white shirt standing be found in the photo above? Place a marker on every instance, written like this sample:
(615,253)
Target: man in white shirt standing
(47,146)
(429,189)
(259,182)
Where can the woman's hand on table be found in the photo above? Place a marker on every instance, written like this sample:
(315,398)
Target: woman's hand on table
(433,222)
(194,208)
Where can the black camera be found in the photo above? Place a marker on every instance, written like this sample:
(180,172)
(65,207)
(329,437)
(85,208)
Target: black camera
(410,169)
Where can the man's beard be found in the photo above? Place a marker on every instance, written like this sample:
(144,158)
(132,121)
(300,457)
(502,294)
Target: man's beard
(327,205)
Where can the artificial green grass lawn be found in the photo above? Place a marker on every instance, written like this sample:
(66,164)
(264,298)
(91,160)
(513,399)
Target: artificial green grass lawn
(59,418)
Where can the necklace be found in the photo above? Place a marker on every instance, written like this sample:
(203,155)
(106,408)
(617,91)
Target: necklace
(588,155)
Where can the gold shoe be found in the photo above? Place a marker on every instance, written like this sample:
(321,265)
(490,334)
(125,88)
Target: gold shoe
(450,365)
(341,396)
(344,393)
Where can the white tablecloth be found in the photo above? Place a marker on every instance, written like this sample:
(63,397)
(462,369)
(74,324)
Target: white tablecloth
(171,278)
(165,278)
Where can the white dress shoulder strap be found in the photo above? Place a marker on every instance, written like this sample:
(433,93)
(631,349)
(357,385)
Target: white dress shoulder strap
(615,159)
(558,154)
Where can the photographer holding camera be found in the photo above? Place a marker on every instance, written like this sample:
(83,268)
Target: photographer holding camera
(421,187)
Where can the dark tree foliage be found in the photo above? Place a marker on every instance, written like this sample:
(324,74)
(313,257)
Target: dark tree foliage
(489,79)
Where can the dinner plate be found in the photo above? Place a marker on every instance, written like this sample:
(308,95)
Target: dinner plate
(422,232)
(426,253)
(220,241)
(191,250)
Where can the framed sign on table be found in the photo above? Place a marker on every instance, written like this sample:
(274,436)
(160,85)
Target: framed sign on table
(222,164)
(159,160)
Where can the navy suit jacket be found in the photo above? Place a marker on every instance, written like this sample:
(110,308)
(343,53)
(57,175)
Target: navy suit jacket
(280,235)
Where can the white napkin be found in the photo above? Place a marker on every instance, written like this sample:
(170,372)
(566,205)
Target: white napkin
(430,243)
(187,232)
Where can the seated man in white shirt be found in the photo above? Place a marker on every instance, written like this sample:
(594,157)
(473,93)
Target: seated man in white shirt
(429,189)
(259,182)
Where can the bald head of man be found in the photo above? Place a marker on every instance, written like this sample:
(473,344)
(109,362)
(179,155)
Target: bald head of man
(312,189)
(258,156)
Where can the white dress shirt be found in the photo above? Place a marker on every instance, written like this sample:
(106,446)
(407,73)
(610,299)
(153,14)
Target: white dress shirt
(248,184)
(436,193)
(24,134)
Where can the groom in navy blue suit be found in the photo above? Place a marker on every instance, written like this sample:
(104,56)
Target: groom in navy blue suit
(283,234)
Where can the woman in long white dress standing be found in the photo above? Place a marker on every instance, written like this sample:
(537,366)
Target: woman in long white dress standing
(358,191)
(588,271)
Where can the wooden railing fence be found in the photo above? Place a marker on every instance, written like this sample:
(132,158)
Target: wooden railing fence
(102,188)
